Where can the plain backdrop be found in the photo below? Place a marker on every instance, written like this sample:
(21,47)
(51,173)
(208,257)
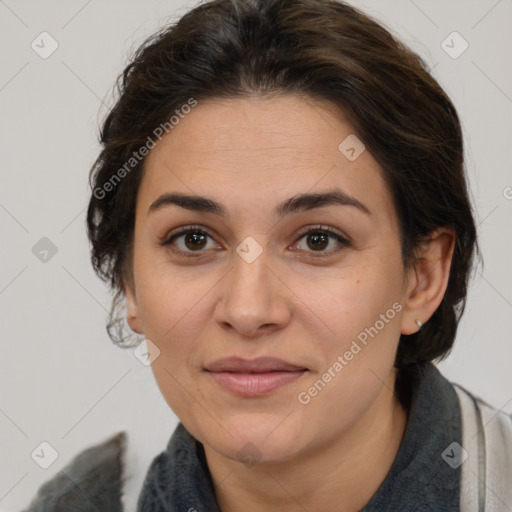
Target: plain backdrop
(62,381)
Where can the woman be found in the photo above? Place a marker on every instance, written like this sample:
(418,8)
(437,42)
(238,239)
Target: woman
(281,201)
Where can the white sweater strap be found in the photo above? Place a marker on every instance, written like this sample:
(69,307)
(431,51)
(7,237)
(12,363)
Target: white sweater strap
(486,473)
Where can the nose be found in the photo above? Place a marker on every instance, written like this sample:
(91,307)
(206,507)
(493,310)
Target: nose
(254,300)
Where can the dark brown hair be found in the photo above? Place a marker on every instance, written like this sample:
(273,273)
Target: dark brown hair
(321,49)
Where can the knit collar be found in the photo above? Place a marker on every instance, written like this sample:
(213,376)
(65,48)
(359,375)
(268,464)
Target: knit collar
(419,479)
(179,479)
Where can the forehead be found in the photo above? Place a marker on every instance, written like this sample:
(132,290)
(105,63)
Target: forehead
(254,153)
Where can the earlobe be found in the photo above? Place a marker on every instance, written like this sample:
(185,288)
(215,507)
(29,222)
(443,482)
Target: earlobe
(428,279)
(132,310)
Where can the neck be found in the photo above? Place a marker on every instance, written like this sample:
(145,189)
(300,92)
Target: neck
(343,476)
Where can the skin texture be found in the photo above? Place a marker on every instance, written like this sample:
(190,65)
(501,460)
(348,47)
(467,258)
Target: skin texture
(250,155)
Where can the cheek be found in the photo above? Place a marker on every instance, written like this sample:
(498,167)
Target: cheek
(173,319)
(364,313)
(349,302)
(169,299)
(175,311)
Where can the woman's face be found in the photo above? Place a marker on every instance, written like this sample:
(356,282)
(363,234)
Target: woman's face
(316,283)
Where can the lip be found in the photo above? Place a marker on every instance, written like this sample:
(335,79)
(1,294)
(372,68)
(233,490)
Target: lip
(258,365)
(254,377)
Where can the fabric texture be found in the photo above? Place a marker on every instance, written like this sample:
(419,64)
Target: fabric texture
(178,479)
(420,479)
(486,453)
(91,482)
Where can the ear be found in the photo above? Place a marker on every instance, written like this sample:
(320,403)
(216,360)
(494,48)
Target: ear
(427,280)
(132,309)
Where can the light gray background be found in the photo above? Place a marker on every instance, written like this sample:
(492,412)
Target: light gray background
(61,379)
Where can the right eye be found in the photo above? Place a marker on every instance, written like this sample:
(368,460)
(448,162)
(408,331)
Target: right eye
(192,239)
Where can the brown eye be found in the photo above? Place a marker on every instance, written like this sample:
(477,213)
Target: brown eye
(318,240)
(189,240)
(194,240)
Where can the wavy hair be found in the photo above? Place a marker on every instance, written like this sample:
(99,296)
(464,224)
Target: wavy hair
(322,49)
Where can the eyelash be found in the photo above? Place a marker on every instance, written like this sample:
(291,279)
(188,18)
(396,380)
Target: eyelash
(319,229)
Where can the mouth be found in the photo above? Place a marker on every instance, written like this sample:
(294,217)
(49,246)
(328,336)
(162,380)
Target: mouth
(255,377)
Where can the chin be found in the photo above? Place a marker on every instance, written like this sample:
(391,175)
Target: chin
(255,439)
(262,451)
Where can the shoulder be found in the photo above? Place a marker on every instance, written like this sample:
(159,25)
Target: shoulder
(485,426)
(475,408)
(92,480)
(485,456)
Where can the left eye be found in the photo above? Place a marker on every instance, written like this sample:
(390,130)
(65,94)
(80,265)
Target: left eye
(319,239)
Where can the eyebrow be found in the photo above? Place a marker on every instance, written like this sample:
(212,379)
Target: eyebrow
(298,203)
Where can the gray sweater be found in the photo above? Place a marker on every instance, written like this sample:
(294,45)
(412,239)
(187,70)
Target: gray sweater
(178,479)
